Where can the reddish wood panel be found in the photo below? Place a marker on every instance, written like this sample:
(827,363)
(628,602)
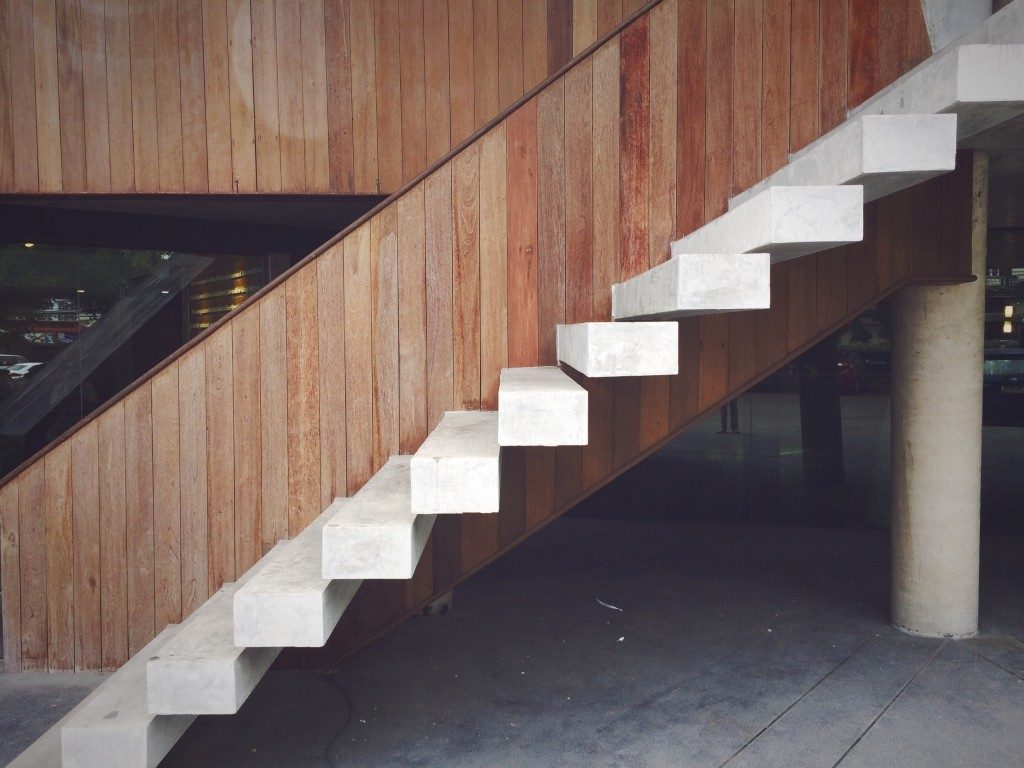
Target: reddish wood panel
(330,278)
(748,125)
(775,38)
(523,336)
(833,75)
(358,359)
(139,533)
(412,321)
(606,235)
(384,293)
(220,458)
(191,72)
(246,363)
(10,572)
(805,52)
(493,264)
(71,95)
(33,557)
(440,295)
(113,537)
(720,86)
(85,525)
(338,43)
(166,498)
(195,585)
(551,216)
(690,111)
(579,194)
(864,41)
(60,614)
(634,148)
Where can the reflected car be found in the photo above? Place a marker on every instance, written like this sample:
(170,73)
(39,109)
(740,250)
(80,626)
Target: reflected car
(23,370)
(1003,387)
(851,372)
(6,361)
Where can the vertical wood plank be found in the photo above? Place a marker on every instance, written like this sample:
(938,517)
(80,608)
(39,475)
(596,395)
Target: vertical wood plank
(220,457)
(113,537)
(195,587)
(485,61)
(24,116)
(461,69)
(364,97)
(412,317)
(466,276)
(719,104)
(683,390)
(773,323)
(634,148)
(358,358)
(833,64)
(584,25)
(801,302)
(86,532)
(10,574)
(384,293)
(747,94)
(579,193)
(247,408)
(804,86)
(47,103)
(510,52)
(560,14)
(314,95)
(831,279)
(864,40)
(119,95)
(330,277)
(6,108)
(713,346)
(193,96)
(71,96)
(142,39)
(302,351)
(535,43)
(168,97)
(217,87)
(523,340)
(664,28)
(291,119)
(493,264)
(437,93)
(265,101)
(59,559)
(389,94)
(892,42)
(138,442)
(339,96)
(413,82)
(606,177)
(742,349)
(166,498)
(273,419)
(609,14)
(775,99)
(551,215)
(241,95)
(33,557)
(439,286)
(690,109)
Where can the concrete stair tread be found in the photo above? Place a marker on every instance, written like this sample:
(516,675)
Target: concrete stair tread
(786,222)
(696,284)
(541,406)
(201,671)
(112,726)
(457,469)
(882,153)
(600,350)
(289,603)
(376,535)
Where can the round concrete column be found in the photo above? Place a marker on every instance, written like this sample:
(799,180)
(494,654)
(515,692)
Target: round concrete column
(938,341)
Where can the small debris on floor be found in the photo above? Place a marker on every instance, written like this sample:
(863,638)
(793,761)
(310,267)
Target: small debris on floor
(609,605)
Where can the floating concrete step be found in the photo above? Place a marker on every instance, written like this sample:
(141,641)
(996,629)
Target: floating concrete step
(600,350)
(201,671)
(376,535)
(981,84)
(882,153)
(289,603)
(458,467)
(786,222)
(541,406)
(112,727)
(696,284)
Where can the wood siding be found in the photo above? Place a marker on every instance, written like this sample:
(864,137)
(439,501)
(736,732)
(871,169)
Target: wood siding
(415,310)
(269,96)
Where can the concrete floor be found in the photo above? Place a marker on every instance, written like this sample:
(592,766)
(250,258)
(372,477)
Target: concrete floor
(738,646)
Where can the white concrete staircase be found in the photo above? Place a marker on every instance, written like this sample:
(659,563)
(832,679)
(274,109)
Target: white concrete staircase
(297,593)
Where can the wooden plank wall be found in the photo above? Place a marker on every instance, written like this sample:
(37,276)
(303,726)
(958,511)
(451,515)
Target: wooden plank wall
(272,96)
(225,450)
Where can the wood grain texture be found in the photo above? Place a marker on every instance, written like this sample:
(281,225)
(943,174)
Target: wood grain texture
(220,458)
(246,363)
(412,321)
(60,614)
(85,525)
(522,286)
(634,149)
(493,264)
(10,572)
(33,561)
(330,278)
(166,498)
(579,193)
(195,560)
(139,514)
(440,295)
(113,538)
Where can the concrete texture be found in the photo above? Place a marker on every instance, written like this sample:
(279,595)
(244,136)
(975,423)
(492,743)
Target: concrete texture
(600,350)
(938,346)
(457,469)
(726,646)
(376,535)
(882,153)
(786,222)
(696,284)
(979,83)
(200,671)
(289,603)
(541,406)
(946,20)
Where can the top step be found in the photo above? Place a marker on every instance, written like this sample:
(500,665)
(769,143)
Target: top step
(786,222)
(982,85)
(882,153)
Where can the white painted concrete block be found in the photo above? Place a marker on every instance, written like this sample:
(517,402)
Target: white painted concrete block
(600,350)
(882,153)
(289,603)
(696,284)
(201,671)
(981,84)
(786,222)
(458,467)
(376,535)
(541,406)
(112,727)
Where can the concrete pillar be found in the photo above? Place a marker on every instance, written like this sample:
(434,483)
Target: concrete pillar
(938,338)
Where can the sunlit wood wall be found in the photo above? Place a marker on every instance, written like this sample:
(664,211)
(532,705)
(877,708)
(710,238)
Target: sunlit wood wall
(241,440)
